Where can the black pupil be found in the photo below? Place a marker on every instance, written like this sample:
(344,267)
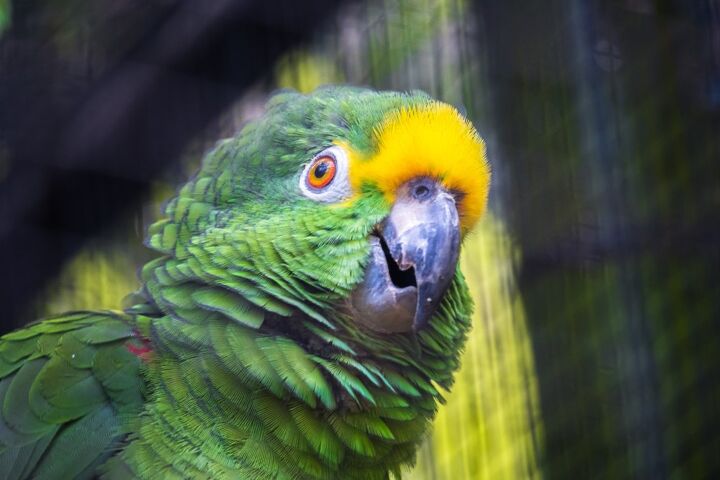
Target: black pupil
(320,170)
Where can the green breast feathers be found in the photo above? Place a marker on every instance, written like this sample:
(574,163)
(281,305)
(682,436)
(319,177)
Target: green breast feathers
(302,316)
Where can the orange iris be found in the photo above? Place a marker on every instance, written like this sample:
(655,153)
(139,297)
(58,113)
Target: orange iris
(321,172)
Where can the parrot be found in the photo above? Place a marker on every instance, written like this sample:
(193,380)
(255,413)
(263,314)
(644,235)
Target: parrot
(302,316)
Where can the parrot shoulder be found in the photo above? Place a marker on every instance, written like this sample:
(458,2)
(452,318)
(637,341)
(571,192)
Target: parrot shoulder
(66,384)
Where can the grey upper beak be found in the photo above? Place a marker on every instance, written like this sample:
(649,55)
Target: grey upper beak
(413,259)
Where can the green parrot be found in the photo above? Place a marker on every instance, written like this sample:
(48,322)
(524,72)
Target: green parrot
(303,316)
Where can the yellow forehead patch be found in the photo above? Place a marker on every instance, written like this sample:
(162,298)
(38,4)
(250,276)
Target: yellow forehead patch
(431,140)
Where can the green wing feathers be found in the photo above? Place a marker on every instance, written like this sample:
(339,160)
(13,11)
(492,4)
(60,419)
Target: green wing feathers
(67,385)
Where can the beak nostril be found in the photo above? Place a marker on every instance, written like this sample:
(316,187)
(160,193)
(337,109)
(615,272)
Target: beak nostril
(421,192)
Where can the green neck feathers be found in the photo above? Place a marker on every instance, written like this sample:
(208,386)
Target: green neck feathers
(254,371)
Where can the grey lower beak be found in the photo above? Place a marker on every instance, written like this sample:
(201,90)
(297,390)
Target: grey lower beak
(413,259)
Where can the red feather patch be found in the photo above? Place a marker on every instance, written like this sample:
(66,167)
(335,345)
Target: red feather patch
(140,347)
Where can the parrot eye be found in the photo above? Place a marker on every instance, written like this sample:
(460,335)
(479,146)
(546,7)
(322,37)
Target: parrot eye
(322,172)
(325,178)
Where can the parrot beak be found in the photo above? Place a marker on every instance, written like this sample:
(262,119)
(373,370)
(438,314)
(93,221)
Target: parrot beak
(413,259)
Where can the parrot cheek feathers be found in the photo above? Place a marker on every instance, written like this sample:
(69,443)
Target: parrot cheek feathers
(414,254)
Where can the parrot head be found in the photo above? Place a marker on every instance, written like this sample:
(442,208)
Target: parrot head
(344,209)
(309,277)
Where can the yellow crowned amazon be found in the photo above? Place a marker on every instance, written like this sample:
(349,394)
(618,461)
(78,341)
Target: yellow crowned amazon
(303,313)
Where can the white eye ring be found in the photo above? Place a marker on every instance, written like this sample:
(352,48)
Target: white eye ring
(336,189)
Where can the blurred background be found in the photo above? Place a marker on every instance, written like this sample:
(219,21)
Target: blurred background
(595,351)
